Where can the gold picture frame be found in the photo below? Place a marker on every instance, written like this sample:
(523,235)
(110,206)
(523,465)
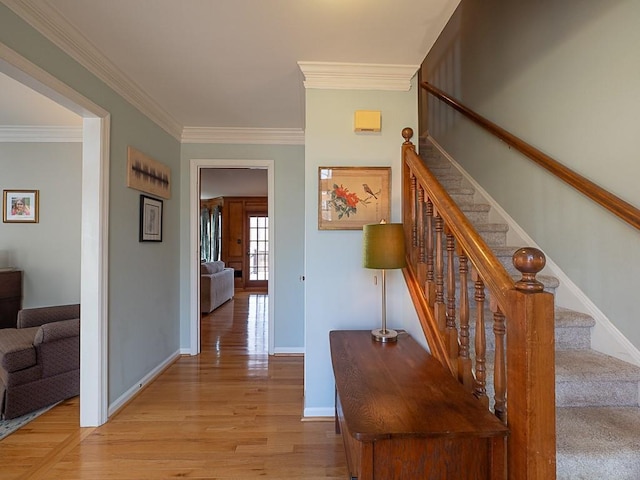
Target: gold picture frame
(21,206)
(350,197)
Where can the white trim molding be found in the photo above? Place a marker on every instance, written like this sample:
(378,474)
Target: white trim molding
(64,35)
(357,76)
(94,250)
(195,165)
(40,134)
(256,136)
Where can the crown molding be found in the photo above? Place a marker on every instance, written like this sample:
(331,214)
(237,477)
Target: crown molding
(64,35)
(261,136)
(40,134)
(357,76)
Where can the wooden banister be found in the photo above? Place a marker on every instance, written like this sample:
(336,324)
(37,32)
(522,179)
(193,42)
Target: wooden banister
(446,259)
(620,208)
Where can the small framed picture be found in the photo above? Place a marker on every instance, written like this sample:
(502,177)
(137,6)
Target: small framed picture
(350,197)
(20,206)
(150,219)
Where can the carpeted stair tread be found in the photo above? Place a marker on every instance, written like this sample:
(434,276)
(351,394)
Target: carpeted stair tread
(590,378)
(598,443)
(590,365)
(570,318)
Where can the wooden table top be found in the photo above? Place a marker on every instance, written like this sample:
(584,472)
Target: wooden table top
(399,390)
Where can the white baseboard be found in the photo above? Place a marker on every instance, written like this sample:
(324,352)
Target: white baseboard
(605,337)
(288,351)
(140,384)
(319,412)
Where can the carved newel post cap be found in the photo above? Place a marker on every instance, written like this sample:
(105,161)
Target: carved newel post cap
(407,133)
(529,261)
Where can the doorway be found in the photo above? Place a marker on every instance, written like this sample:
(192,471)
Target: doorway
(196,166)
(94,230)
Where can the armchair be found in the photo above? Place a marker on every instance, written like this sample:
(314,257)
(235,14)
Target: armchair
(40,359)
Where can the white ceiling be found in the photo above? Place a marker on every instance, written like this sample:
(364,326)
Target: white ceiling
(233,63)
(18,104)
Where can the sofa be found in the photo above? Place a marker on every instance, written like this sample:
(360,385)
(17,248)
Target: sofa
(40,359)
(216,285)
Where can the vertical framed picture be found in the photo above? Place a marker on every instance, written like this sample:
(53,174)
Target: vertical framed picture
(150,219)
(20,206)
(350,197)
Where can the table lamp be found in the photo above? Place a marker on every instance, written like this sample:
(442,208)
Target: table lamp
(382,249)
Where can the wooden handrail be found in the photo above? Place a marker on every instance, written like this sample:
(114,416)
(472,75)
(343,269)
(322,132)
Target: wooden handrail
(620,208)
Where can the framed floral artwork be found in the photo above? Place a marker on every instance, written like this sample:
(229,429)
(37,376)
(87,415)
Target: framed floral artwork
(20,206)
(350,197)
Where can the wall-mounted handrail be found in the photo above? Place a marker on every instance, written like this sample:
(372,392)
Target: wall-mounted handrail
(620,208)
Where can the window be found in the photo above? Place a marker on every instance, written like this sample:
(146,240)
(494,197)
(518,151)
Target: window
(258,247)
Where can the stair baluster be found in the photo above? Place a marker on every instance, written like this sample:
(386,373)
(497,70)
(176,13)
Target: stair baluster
(480,386)
(499,375)
(430,289)
(421,234)
(439,307)
(451,329)
(465,373)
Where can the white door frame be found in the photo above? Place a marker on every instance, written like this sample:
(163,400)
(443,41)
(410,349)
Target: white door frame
(94,229)
(194,255)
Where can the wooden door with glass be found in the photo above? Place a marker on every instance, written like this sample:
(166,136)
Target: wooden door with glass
(257,258)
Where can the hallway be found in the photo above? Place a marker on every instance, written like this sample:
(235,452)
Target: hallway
(231,412)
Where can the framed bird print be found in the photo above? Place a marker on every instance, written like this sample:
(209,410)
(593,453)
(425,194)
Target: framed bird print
(350,197)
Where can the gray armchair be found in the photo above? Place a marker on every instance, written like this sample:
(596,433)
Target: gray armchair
(39,360)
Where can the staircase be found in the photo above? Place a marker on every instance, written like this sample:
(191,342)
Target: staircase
(597,396)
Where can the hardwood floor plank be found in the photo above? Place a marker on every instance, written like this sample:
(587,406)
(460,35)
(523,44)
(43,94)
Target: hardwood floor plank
(233,412)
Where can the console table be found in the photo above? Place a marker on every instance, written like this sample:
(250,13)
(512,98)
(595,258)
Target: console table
(402,415)
(10,297)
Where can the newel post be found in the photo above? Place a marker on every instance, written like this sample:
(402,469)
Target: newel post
(531,373)
(408,202)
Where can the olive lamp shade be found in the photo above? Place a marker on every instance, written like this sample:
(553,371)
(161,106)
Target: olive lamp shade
(383,246)
(383,249)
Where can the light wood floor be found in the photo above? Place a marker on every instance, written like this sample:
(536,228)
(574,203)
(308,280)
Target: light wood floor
(232,412)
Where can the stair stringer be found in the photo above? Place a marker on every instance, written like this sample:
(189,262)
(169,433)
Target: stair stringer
(605,338)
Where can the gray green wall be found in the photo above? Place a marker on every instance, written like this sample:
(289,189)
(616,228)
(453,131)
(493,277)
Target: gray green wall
(143,304)
(565,77)
(289,234)
(339,292)
(48,252)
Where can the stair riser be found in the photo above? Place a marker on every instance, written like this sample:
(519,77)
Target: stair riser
(573,338)
(492,238)
(450,181)
(567,338)
(462,197)
(585,393)
(477,218)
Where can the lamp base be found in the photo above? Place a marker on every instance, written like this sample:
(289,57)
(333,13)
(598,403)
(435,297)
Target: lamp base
(384,335)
